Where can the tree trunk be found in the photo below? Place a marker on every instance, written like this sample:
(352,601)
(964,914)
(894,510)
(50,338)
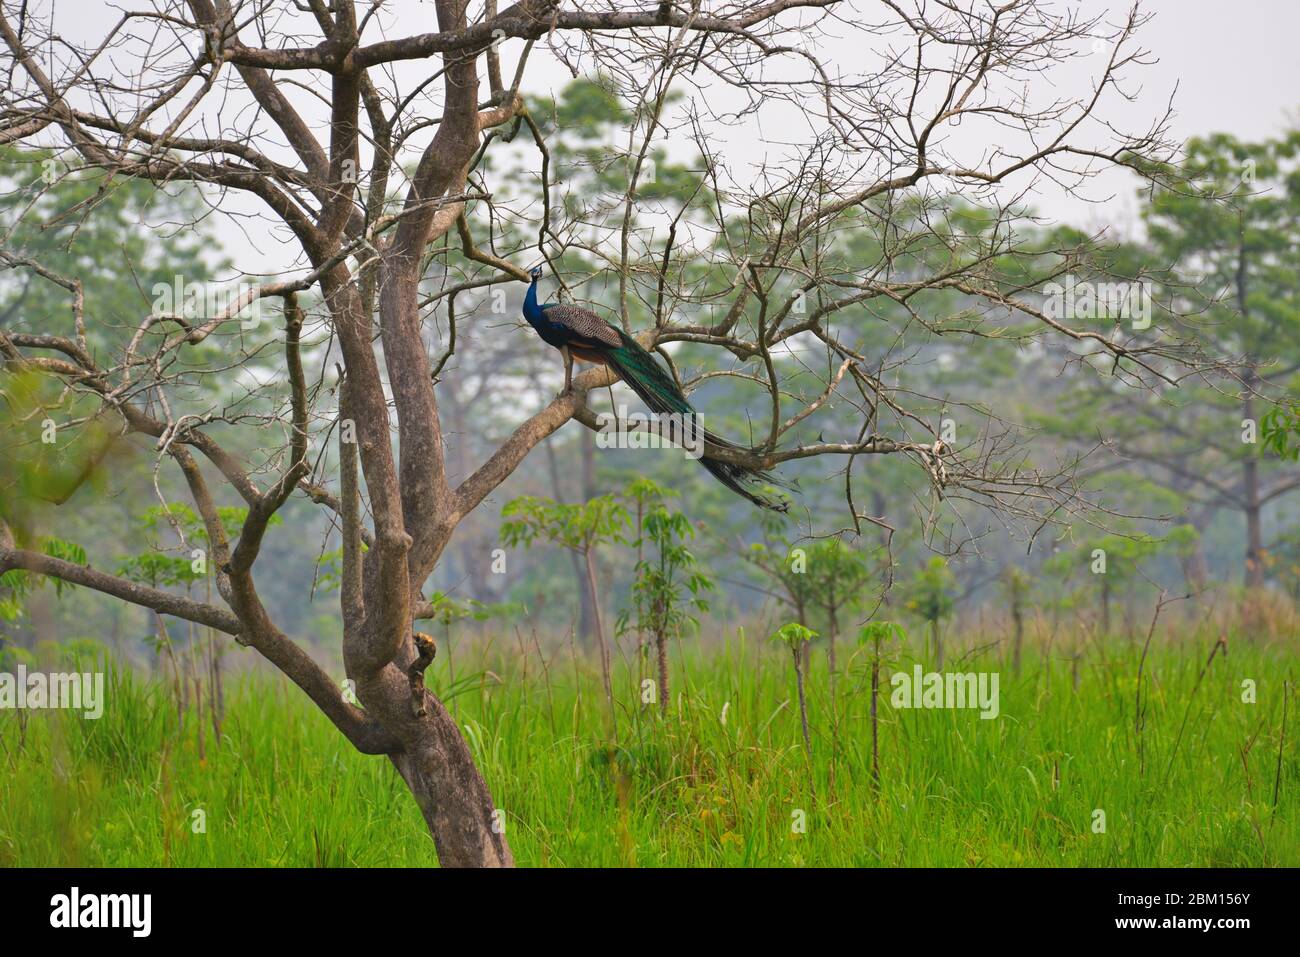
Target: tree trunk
(1105,606)
(587,611)
(878,503)
(42,618)
(800,659)
(661,647)
(1250,466)
(1196,571)
(875,729)
(1250,492)
(830,643)
(435,762)
(1018,619)
(380,585)
(587,442)
(600,641)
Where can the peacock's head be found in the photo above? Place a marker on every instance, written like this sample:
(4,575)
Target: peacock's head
(536,273)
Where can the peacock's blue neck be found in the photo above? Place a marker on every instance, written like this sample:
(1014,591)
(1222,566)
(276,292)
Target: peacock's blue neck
(532,310)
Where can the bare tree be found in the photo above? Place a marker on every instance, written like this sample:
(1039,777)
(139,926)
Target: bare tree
(364,147)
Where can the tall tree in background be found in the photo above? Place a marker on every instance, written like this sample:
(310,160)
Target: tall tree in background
(1234,265)
(1220,260)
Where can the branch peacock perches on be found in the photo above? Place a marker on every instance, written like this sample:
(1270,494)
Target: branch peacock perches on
(581,334)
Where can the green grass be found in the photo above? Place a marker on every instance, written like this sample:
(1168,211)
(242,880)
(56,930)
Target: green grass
(283,788)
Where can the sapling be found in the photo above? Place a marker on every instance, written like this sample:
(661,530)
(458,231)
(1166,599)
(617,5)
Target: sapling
(797,637)
(931,598)
(669,585)
(786,567)
(580,528)
(818,581)
(1109,568)
(874,634)
(839,575)
(1015,584)
(187,568)
(155,569)
(643,494)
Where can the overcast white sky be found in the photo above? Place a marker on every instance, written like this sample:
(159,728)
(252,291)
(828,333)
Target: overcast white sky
(1234,66)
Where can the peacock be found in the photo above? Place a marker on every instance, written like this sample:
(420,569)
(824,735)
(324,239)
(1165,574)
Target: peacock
(581,334)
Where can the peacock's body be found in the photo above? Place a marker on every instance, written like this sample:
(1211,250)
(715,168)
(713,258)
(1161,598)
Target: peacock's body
(581,334)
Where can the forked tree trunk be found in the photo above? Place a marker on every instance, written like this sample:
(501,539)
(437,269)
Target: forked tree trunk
(468,829)
(379,586)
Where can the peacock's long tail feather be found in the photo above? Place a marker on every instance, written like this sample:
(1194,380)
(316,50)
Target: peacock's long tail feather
(660,393)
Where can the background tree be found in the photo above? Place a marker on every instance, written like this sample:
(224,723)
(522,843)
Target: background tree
(1016,585)
(1219,262)
(581,529)
(670,586)
(875,635)
(1237,269)
(840,579)
(797,638)
(930,598)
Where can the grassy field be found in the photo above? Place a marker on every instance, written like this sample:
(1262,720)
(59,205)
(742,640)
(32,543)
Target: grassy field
(1210,780)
